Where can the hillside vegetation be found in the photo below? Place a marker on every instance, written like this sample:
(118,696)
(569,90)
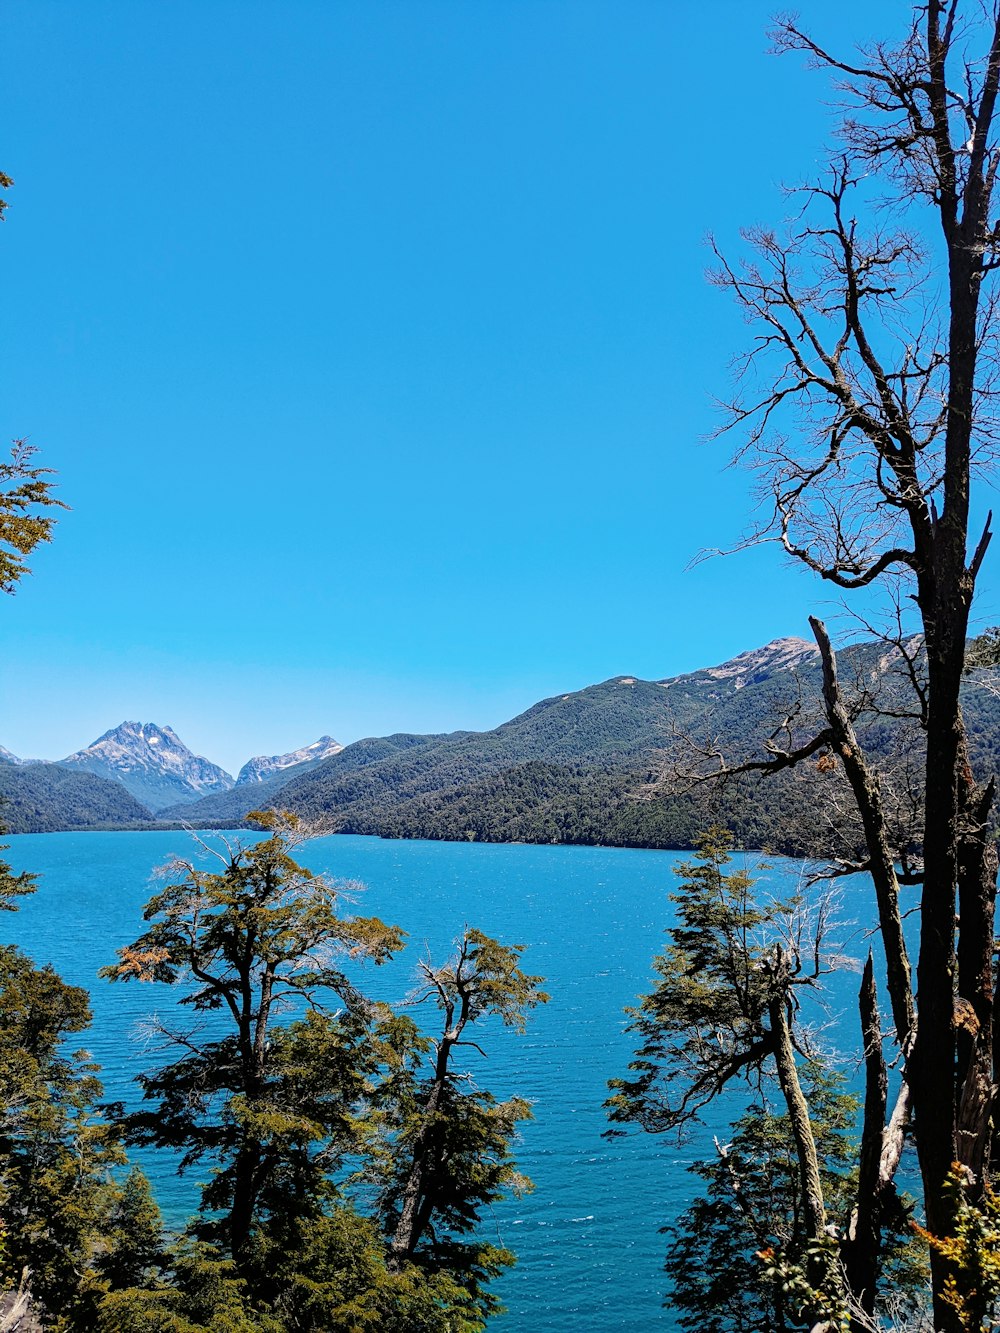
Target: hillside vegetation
(47,798)
(611,764)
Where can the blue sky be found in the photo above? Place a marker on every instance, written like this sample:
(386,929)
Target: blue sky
(372,346)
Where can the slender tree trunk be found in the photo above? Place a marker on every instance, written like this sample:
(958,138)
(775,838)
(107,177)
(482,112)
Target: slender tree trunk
(413,1217)
(246,1168)
(974,1014)
(867,792)
(862,1245)
(822,1275)
(244,1204)
(813,1207)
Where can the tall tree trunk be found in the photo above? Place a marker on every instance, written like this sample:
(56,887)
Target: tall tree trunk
(867,792)
(974,1016)
(244,1204)
(861,1248)
(822,1274)
(813,1207)
(932,1067)
(413,1216)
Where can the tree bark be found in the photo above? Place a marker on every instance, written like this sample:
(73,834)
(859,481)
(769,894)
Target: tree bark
(814,1208)
(413,1216)
(974,1007)
(861,1249)
(819,1276)
(867,792)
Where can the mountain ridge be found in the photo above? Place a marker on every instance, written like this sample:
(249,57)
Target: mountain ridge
(601,741)
(603,764)
(261,767)
(152,763)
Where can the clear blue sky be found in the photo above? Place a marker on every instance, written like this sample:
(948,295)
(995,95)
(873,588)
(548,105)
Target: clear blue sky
(372,346)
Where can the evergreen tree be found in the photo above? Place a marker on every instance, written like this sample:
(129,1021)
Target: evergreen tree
(449,1152)
(135,1243)
(723,1013)
(25,491)
(303,1119)
(731,1249)
(55,1154)
(270,1107)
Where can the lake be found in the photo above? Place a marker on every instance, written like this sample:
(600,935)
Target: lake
(589,1253)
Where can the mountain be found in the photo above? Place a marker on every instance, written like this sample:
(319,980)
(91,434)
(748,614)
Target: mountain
(607,764)
(152,763)
(47,798)
(227,809)
(553,773)
(259,768)
(7,758)
(753,667)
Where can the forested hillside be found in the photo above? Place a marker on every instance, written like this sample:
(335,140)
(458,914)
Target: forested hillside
(227,808)
(47,798)
(621,763)
(613,763)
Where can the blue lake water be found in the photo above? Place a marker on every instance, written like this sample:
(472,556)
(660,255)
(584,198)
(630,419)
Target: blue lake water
(589,1253)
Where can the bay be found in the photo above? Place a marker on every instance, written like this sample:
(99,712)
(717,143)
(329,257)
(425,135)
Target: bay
(587,1238)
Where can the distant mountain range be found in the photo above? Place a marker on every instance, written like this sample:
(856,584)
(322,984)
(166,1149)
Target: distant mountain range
(152,763)
(128,778)
(597,765)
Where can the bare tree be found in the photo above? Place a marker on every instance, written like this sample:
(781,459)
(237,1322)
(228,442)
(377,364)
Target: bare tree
(868,407)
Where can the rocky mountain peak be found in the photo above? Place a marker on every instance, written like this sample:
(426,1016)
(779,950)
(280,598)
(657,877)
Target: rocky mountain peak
(779,655)
(151,762)
(263,766)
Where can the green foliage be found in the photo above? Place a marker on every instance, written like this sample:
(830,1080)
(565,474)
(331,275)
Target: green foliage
(730,1251)
(134,1253)
(13,886)
(450,1143)
(272,1106)
(55,1156)
(311,1122)
(25,492)
(972,1288)
(332,1275)
(810,1288)
(202,1293)
(705,1023)
(467,1147)
(44,798)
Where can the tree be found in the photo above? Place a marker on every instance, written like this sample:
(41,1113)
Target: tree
(55,1154)
(303,1112)
(724,1012)
(24,492)
(868,407)
(135,1242)
(270,1105)
(451,1152)
(752,1207)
